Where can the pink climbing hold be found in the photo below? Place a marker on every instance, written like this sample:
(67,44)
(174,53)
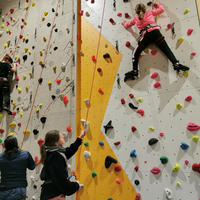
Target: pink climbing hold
(2,130)
(169,26)
(99,70)
(137,196)
(136,168)
(141,112)
(69,129)
(12,11)
(11,51)
(117,143)
(11,18)
(17,78)
(193,53)
(155,170)
(40,141)
(156,85)
(65,99)
(111,20)
(78,37)
(8,23)
(161,134)
(81,12)
(58,80)
(189,32)
(6,14)
(118,181)
(154,52)
(119,14)
(193,127)
(123,101)
(131,96)
(100,91)
(186,162)
(140,57)
(154,75)
(188,98)
(9,32)
(133,128)
(93,58)
(127,15)
(128,44)
(118,168)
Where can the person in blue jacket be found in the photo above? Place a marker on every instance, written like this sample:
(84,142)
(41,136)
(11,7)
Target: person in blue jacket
(13,165)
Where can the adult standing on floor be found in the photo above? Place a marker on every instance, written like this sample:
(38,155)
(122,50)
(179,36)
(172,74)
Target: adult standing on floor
(13,165)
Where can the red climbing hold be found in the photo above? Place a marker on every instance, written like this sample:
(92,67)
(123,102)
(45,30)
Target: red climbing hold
(78,37)
(128,44)
(136,168)
(22,26)
(19,124)
(99,70)
(13,113)
(27,1)
(65,99)
(58,80)
(189,32)
(40,141)
(140,57)
(123,101)
(1,130)
(169,26)
(111,20)
(141,112)
(117,143)
(118,181)
(93,58)
(22,20)
(21,36)
(154,75)
(18,59)
(12,11)
(133,128)
(155,5)
(127,15)
(92,1)
(69,129)
(17,78)
(81,12)
(36,160)
(131,96)
(137,196)
(196,167)
(119,14)
(100,91)
(118,168)
(157,84)
(154,52)
(188,98)
(3,145)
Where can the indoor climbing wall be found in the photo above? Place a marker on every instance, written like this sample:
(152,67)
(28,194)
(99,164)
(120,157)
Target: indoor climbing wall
(149,126)
(40,36)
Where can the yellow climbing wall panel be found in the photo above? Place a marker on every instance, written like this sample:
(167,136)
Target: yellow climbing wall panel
(198,7)
(103,186)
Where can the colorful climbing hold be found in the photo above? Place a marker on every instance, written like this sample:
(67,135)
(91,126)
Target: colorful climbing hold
(161,134)
(108,161)
(100,91)
(117,143)
(196,167)
(178,106)
(151,128)
(133,153)
(141,112)
(156,85)
(193,127)
(12,125)
(184,146)
(26,132)
(188,98)
(136,168)
(93,58)
(58,80)
(169,26)
(154,75)
(65,99)
(133,128)
(178,184)
(186,10)
(19,89)
(111,20)
(131,96)
(86,144)
(99,69)
(140,99)
(155,170)
(119,14)
(69,128)
(193,53)
(195,138)
(33,4)
(128,44)
(186,162)
(118,168)
(181,39)
(45,13)
(123,101)
(94,174)
(40,141)
(176,168)
(86,155)
(37,110)
(127,15)
(164,160)
(43,18)
(2,130)
(137,197)
(189,31)
(101,143)
(154,52)
(118,181)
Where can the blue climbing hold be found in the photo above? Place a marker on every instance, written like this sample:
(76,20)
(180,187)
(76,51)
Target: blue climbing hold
(133,154)
(184,146)
(101,143)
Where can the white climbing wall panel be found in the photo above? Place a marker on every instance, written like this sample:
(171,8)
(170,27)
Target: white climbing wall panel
(58,115)
(159,104)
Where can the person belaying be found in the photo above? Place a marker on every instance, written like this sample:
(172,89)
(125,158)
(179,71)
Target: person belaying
(5,68)
(149,33)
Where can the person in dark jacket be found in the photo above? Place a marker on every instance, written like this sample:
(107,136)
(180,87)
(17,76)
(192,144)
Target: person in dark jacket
(5,68)
(13,164)
(54,158)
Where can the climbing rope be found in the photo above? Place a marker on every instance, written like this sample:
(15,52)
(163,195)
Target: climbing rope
(41,72)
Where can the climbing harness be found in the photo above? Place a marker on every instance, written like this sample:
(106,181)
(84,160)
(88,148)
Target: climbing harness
(147,27)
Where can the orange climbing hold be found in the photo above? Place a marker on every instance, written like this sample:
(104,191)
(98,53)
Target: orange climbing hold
(100,91)
(118,180)
(65,99)
(69,129)
(58,80)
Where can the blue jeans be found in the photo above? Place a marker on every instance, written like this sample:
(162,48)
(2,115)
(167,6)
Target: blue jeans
(13,194)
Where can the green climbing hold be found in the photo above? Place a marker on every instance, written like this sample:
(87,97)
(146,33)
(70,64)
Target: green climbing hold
(86,144)
(1,140)
(94,174)
(164,159)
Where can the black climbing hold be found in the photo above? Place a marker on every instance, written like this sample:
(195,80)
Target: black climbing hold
(25,57)
(32,62)
(26,41)
(17,109)
(149,3)
(43,119)
(56,30)
(40,80)
(110,199)
(53,96)
(137,182)
(108,126)
(106,56)
(53,10)
(33,47)
(125,1)
(48,24)
(55,48)
(35,186)
(11,101)
(132,106)
(16,86)
(108,161)
(152,141)
(42,65)
(35,131)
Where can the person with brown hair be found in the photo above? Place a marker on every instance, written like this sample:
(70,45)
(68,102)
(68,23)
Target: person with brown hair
(149,33)
(54,173)
(5,68)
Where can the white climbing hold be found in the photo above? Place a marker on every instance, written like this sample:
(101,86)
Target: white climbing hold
(63,66)
(87,101)
(67,78)
(85,124)
(33,198)
(168,193)
(32,178)
(69,166)
(86,155)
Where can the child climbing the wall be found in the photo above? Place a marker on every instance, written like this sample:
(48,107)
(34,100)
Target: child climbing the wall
(149,33)
(5,68)
(54,173)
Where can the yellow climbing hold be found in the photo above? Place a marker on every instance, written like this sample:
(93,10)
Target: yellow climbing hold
(14,104)
(181,39)
(29,52)
(2,25)
(27,132)
(195,138)
(37,110)
(186,11)
(21,112)
(26,7)
(41,53)
(146,70)
(25,22)
(24,76)
(40,105)
(178,184)
(19,89)
(15,57)
(44,38)
(27,33)
(26,49)
(140,99)
(7,30)
(151,128)
(11,134)
(185,73)
(30,74)
(49,83)
(5,45)
(12,125)
(40,62)
(43,18)
(21,149)
(45,13)
(24,39)
(54,67)
(1,115)
(159,15)
(176,168)
(33,3)
(178,106)
(26,87)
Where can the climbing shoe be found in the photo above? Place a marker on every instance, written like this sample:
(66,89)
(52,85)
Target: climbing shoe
(7,110)
(178,67)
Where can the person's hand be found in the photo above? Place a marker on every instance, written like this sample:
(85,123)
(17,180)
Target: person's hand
(83,133)
(122,22)
(157,2)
